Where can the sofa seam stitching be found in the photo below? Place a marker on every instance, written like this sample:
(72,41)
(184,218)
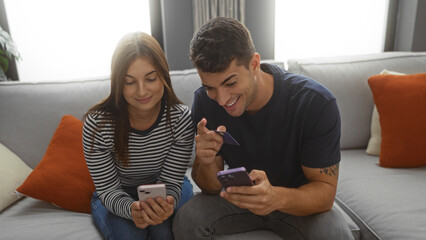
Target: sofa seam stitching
(358,217)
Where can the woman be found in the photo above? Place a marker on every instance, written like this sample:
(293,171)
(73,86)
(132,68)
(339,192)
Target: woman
(140,134)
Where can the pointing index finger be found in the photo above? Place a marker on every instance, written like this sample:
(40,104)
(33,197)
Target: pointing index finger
(201,127)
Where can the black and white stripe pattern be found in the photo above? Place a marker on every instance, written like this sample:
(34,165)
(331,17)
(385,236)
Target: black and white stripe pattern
(155,156)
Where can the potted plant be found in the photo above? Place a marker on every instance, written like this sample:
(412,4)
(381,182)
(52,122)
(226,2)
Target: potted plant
(8,52)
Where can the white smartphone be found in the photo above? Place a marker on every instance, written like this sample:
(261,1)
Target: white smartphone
(151,191)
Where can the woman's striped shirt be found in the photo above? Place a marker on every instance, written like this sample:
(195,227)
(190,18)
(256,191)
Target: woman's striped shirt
(155,156)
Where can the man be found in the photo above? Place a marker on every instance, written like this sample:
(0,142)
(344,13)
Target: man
(288,127)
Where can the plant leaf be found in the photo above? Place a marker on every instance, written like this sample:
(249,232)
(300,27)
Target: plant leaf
(8,45)
(4,63)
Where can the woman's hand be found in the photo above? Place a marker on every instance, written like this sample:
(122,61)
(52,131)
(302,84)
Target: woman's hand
(136,211)
(156,211)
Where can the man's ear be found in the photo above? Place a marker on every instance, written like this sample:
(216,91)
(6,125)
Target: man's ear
(255,62)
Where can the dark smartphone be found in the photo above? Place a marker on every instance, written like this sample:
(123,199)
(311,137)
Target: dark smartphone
(234,177)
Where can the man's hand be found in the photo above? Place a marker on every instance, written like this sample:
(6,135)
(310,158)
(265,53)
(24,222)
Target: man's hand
(314,197)
(152,212)
(206,163)
(208,143)
(259,199)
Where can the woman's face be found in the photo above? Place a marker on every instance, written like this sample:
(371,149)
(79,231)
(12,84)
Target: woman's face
(143,87)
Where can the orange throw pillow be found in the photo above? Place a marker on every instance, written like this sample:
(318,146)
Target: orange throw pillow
(401,102)
(62,177)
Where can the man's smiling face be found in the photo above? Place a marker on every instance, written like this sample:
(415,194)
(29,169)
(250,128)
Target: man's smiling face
(234,89)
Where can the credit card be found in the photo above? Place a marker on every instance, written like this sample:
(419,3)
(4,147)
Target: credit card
(227,138)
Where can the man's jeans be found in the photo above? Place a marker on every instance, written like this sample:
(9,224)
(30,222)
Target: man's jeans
(115,227)
(206,216)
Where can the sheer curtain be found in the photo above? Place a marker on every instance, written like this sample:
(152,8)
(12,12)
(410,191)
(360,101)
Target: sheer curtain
(204,10)
(71,39)
(312,28)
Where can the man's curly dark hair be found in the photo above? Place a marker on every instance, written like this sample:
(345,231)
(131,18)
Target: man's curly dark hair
(218,43)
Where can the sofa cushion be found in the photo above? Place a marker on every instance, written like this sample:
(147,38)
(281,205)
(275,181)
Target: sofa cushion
(31,111)
(401,103)
(373,147)
(13,172)
(62,177)
(30,218)
(386,203)
(375,141)
(346,77)
(184,83)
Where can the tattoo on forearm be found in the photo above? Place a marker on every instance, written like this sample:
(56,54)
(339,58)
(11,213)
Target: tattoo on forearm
(331,171)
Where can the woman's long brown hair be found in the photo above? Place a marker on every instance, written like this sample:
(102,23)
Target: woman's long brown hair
(131,47)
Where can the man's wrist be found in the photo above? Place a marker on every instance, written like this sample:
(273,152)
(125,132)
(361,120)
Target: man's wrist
(205,177)
(280,201)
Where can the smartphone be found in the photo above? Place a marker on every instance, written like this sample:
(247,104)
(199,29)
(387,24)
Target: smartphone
(234,177)
(151,191)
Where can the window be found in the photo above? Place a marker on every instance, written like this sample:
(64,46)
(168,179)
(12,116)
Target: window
(71,39)
(311,28)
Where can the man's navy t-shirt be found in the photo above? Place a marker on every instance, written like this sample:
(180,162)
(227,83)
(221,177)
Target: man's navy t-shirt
(300,125)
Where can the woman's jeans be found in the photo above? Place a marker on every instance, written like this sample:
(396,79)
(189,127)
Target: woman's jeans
(115,227)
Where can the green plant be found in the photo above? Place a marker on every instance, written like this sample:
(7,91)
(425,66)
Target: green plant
(8,50)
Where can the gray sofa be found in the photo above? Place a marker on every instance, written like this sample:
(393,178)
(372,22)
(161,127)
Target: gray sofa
(377,203)
(385,203)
